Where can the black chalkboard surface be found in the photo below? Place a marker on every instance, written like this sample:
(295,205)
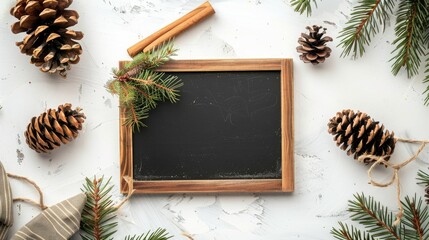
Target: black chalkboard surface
(228,131)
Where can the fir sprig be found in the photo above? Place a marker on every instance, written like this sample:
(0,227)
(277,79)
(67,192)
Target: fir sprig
(99,211)
(411,26)
(140,87)
(366,18)
(374,216)
(350,233)
(378,220)
(159,234)
(415,219)
(302,6)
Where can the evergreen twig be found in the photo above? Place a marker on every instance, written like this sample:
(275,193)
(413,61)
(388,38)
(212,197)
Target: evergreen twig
(140,87)
(365,21)
(99,211)
(302,6)
(411,25)
(378,220)
(159,234)
(416,219)
(374,216)
(350,233)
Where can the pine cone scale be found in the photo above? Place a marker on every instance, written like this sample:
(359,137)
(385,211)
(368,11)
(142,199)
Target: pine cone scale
(358,134)
(46,23)
(312,46)
(54,127)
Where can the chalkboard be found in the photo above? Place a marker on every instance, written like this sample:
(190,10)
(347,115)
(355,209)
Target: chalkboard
(231,131)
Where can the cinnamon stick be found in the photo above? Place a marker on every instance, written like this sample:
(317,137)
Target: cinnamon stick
(172,29)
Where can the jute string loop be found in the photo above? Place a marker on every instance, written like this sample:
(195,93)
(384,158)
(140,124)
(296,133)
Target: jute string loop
(39,204)
(395,167)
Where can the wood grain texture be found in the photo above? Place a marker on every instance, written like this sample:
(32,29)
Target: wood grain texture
(125,148)
(198,186)
(287,126)
(222,65)
(172,29)
(285,184)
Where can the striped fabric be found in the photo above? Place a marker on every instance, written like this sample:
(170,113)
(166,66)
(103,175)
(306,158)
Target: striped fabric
(6,215)
(58,222)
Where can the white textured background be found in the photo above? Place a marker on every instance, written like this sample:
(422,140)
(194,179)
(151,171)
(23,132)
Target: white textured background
(325,177)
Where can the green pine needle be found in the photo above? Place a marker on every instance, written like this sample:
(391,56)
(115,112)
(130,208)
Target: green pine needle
(426,80)
(416,219)
(152,59)
(159,234)
(375,217)
(423,178)
(98,214)
(350,233)
(411,26)
(365,21)
(140,87)
(378,220)
(302,6)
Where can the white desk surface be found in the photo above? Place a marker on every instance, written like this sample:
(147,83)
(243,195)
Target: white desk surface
(325,177)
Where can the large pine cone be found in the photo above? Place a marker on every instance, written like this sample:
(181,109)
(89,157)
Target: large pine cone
(360,135)
(54,127)
(313,46)
(49,43)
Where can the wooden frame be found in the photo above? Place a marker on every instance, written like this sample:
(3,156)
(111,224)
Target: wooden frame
(285,184)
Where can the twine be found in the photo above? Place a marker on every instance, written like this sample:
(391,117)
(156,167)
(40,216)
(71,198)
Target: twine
(39,204)
(395,167)
(187,235)
(131,191)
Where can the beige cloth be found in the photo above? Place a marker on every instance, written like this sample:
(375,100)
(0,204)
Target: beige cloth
(58,222)
(6,214)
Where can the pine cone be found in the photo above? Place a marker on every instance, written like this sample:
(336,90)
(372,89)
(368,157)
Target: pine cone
(313,46)
(360,135)
(49,43)
(53,128)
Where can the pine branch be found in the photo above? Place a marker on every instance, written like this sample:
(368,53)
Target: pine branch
(302,6)
(159,234)
(364,24)
(375,217)
(411,26)
(140,87)
(352,233)
(149,60)
(415,219)
(98,214)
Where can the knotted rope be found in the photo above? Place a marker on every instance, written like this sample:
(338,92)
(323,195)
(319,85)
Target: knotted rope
(395,167)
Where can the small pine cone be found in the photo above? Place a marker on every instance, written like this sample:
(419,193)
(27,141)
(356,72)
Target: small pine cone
(49,43)
(313,47)
(53,128)
(360,135)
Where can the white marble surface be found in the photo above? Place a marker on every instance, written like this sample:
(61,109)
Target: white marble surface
(325,177)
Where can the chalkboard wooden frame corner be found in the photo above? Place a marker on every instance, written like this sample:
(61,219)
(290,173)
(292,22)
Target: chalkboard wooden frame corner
(283,184)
